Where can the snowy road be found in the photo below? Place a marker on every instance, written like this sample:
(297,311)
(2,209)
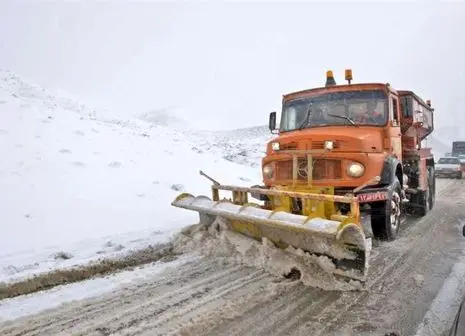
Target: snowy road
(208,297)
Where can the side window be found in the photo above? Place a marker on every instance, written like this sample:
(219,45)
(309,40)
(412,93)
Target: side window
(290,118)
(394,111)
(406,107)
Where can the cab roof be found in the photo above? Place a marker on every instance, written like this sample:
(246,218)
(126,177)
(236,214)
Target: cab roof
(338,88)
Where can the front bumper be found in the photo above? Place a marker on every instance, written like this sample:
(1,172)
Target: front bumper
(366,195)
(448,173)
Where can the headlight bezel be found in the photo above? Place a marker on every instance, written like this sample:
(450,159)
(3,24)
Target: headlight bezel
(268,171)
(355,169)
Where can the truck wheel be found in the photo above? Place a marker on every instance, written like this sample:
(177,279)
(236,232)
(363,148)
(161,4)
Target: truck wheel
(424,202)
(432,187)
(426,198)
(385,216)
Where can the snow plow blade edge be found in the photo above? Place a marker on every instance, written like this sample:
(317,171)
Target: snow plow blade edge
(344,244)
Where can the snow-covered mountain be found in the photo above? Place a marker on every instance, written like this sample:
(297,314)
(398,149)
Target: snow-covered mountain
(245,145)
(72,179)
(33,95)
(165,117)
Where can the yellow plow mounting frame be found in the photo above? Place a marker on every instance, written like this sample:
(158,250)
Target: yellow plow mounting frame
(319,230)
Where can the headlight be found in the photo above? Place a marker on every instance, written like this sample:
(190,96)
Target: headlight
(275,146)
(268,171)
(355,169)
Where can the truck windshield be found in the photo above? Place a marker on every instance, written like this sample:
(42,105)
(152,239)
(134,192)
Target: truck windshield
(449,160)
(336,108)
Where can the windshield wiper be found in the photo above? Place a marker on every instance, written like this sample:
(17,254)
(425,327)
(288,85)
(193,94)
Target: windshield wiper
(307,117)
(342,117)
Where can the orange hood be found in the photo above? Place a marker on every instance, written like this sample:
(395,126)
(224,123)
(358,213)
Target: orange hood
(346,139)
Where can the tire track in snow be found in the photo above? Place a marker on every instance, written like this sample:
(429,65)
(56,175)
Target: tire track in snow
(211,297)
(131,302)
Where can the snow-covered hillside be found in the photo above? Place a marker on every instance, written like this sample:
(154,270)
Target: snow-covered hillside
(245,146)
(75,182)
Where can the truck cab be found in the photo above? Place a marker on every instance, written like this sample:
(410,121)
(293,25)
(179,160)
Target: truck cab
(347,128)
(363,139)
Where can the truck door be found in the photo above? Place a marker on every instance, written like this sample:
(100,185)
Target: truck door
(393,140)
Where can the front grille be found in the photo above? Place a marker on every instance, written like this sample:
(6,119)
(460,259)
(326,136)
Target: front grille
(323,169)
(284,170)
(318,144)
(289,146)
(327,169)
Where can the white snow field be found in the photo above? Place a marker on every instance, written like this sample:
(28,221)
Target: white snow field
(77,185)
(89,186)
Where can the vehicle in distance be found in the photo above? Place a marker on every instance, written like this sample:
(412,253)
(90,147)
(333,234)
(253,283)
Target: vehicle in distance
(449,167)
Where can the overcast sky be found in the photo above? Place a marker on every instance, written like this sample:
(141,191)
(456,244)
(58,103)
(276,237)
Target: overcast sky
(227,65)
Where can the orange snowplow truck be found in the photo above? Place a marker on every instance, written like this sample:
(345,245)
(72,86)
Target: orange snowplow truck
(347,165)
(362,139)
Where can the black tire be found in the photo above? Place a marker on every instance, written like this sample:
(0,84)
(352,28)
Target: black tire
(432,187)
(385,216)
(424,198)
(459,176)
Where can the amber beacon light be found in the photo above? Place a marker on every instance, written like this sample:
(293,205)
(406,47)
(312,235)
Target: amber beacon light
(348,75)
(330,78)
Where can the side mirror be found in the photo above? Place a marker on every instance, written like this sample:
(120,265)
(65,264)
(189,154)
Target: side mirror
(272,122)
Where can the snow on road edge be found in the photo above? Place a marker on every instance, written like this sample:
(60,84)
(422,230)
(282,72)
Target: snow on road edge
(441,313)
(34,303)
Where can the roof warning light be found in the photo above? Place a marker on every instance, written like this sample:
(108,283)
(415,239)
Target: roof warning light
(330,78)
(348,74)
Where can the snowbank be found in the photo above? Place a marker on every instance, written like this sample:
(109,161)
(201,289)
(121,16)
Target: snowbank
(73,182)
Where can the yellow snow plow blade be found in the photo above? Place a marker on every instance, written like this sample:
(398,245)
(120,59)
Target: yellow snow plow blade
(318,231)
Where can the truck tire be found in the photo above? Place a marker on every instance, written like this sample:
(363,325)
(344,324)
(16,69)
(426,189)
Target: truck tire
(423,206)
(385,216)
(426,199)
(432,187)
